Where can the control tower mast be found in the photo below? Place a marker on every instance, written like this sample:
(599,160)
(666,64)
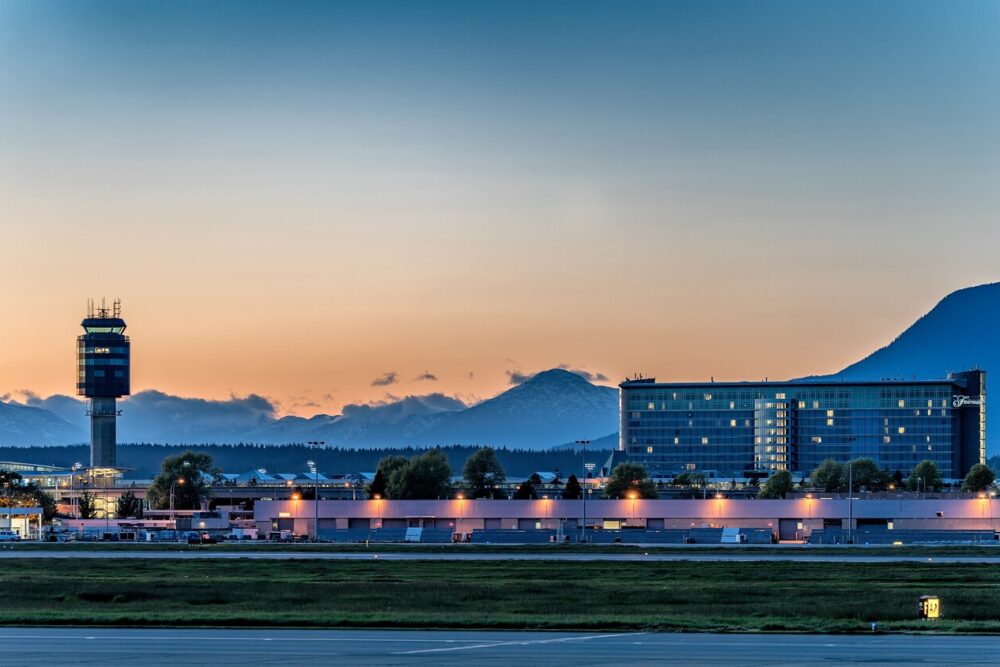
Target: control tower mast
(103,356)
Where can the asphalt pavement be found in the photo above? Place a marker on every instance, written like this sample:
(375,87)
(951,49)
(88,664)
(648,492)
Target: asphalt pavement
(249,648)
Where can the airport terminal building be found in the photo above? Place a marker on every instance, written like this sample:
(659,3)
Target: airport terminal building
(733,427)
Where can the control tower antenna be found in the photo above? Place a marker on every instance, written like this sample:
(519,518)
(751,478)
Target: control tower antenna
(103,363)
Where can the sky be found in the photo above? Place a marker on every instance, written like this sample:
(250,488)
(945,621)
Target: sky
(333,203)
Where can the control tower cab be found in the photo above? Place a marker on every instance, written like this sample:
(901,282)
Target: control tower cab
(103,358)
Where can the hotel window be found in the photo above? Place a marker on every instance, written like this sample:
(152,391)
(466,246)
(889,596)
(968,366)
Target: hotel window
(902,430)
(818,440)
(829,422)
(649,450)
(708,397)
(732,405)
(815,405)
(886,439)
(779,396)
(902,403)
(829,413)
(704,440)
(652,406)
(930,403)
(677,441)
(732,423)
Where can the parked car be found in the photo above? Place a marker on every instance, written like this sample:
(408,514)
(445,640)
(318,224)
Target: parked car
(9,536)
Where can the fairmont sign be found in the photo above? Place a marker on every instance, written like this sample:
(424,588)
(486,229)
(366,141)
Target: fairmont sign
(967,400)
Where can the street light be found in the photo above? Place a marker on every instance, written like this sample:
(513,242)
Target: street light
(314,469)
(173,485)
(632,496)
(850,501)
(583,455)
(72,495)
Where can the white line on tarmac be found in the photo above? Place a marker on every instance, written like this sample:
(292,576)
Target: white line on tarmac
(519,643)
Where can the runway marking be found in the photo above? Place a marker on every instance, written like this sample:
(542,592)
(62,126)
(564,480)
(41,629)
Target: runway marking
(518,643)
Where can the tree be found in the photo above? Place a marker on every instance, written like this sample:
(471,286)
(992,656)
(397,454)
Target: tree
(86,505)
(777,485)
(377,488)
(694,481)
(866,475)
(384,472)
(197,472)
(572,490)
(925,477)
(128,505)
(897,479)
(827,475)
(526,491)
(426,476)
(483,473)
(980,478)
(629,478)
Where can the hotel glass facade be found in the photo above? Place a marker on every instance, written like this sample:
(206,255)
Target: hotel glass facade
(767,426)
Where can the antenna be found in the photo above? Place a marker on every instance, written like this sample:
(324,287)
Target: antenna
(116,308)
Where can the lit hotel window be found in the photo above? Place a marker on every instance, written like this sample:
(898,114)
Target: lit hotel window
(886,439)
(829,413)
(829,422)
(902,403)
(930,403)
(677,441)
(704,441)
(902,430)
(732,423)
(779,396)
(818,440)
(652,406)
(732,405)
(708,397)
(815,405)
(649,450)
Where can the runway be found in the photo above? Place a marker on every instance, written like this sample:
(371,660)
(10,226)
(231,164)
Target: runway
(746,557)
(249,648)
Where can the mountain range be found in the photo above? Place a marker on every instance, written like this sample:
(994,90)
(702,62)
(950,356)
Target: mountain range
(551,408)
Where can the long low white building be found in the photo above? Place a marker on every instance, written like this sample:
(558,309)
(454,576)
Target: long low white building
(794,519)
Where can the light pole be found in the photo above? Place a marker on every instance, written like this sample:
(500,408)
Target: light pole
(316,444)
(315,471)
(72,495)
(173,485)
(850,502)
(583,455)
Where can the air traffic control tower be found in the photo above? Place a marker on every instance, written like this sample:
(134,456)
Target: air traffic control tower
(103,377)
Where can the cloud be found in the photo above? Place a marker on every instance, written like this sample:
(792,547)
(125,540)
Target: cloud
(385,379)
(585,374)
(426,375)
(517,377)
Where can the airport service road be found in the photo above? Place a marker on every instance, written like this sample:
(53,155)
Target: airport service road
(248,648)
(778,555)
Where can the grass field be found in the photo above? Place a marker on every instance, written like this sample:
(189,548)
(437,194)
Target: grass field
(668,596)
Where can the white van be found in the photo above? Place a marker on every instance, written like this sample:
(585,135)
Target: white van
(7,535)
